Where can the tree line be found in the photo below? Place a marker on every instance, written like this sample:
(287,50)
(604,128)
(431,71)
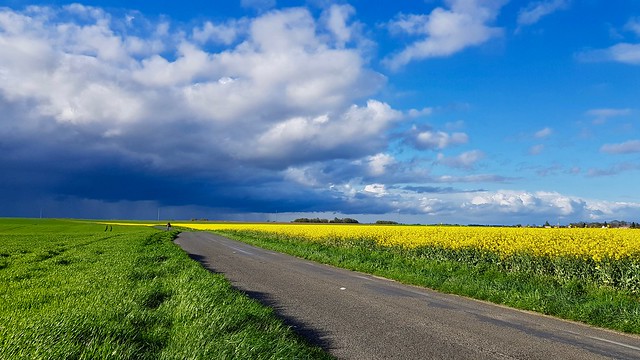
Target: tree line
(612,224)
(327,221)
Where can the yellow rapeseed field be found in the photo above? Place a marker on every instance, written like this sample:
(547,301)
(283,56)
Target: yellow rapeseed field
(596,244)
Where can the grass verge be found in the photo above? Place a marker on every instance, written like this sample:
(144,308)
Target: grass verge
(470,274)
(76,290)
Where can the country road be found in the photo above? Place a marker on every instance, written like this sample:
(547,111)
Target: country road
(358,316)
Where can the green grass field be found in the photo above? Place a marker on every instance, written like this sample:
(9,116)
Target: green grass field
(71,290)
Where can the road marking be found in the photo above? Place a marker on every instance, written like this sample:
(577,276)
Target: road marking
(605,340)
(242,251)
(343,288)
(615,343)
(364,277)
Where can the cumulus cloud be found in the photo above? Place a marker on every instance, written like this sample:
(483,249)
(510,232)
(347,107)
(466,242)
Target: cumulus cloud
(550,204)
(444,32)
(437,140)
(336,18)
(492,206)
(302,139)
(627,147)
(274,88)
(379,163)
(375,189)
(82,89)
(224,34)
(623,52)
(537,10)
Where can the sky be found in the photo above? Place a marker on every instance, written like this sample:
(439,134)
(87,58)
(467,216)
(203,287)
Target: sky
(454,111)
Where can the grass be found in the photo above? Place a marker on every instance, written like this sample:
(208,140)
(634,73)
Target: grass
(71,290)
(473,274)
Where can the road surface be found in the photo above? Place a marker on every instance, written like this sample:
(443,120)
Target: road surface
(358,316)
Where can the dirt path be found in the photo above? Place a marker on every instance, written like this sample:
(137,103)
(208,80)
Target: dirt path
(358,316)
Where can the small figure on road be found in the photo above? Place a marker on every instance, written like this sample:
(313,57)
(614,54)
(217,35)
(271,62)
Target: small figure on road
(168,226)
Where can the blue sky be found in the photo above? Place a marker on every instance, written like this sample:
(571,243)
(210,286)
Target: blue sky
(457,111)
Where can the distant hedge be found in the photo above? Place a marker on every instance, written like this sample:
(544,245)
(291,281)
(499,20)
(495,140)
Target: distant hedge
(327,221)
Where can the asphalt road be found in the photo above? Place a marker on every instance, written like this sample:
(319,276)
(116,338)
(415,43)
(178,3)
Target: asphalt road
(358,316)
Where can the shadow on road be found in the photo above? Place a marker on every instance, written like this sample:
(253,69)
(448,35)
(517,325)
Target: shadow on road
(313,336)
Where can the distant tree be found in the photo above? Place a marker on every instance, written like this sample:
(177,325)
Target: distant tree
(344,221)
(386,222)
(314,220)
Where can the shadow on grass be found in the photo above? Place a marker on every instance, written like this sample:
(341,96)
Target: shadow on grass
(312,335)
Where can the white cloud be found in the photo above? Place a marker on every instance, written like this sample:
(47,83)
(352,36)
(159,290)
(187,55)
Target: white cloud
(500,206)
(633,25)
(529,203)
(541,134)
(379,163)
(415,113)
(301,176)
(378,190)
(217,33)
(308,138)
(602,115)
(446,31)
(628,147)
(536,10)
(607,210)
(439,139)
(465,160)
(431,206)
(626,53)
(336,19)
